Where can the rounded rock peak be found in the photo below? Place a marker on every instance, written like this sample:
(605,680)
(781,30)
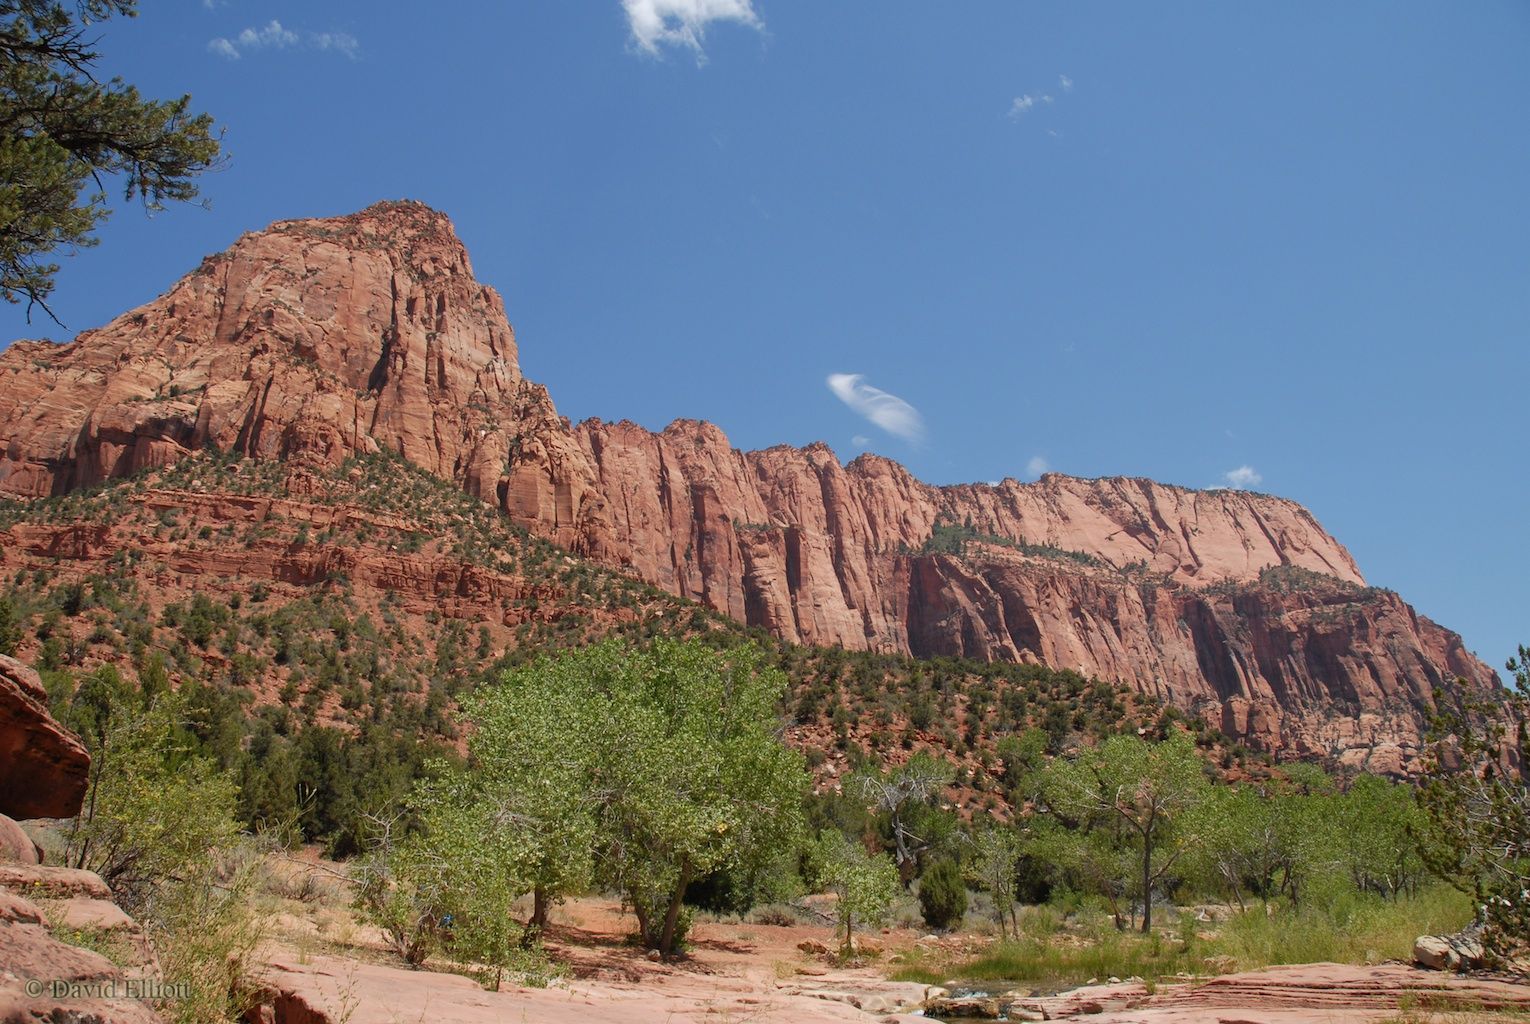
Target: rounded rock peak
(388,222)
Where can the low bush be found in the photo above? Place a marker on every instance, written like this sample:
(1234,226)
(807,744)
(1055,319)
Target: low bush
(943,895)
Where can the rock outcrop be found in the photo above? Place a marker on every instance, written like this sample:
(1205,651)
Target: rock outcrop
(16,845)
(43,767)
(45,979)
(314,340)
(43,771)
(1284,995)
(1460,952)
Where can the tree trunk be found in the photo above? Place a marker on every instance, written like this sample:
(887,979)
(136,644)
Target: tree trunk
(1147,886)
(642,918)
(539,905)
(672,916)
(538,923)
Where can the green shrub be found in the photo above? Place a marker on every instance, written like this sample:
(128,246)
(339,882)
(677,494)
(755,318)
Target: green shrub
(943,895)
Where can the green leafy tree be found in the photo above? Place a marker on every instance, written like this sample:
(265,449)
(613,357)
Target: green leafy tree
(517,816)
(1140,796)
(997,864)
(153,809)
(530,763)
(943,895)
(158,825)
(1090,859)
(66,131)
(1246,845)
(481,859)
(865,885)
(690,769)
(644,770)
(1379,825)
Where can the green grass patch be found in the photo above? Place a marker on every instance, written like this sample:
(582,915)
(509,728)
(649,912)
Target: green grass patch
(1348,928)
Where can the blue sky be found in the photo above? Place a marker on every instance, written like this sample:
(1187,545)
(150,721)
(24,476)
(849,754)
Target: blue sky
(1176,241)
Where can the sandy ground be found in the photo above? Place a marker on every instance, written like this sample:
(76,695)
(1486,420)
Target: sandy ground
(324,968)
(731,973)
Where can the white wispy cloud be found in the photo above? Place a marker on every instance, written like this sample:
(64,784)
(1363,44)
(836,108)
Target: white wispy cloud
(887,411)
(340,42)
(683,23)
(275,36)
(1037,465)
(1242,478)
(860,440)
(272,34)
(1026,102)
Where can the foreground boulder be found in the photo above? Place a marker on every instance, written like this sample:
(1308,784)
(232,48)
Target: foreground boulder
(16,845)
(1460,952)
(44,979)
(43,767)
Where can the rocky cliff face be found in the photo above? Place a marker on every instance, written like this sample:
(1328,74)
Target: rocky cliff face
(1237,606)
(44,768)
(317,339)
(309,340)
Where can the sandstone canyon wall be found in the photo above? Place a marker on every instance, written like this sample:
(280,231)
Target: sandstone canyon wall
(315,339)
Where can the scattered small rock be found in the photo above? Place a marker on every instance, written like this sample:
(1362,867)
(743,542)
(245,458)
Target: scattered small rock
(982,1007)
(1459,952)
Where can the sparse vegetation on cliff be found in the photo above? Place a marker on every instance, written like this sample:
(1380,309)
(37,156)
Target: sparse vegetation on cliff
(317,625)
(948,538)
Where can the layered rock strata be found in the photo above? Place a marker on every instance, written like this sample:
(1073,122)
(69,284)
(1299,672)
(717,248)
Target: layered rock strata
(314,340)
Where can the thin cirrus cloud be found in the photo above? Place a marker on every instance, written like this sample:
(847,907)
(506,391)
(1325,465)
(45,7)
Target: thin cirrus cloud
(1027,102)
(887,411)
(275,36)
(1242,478)
(1037,466)
(656,24)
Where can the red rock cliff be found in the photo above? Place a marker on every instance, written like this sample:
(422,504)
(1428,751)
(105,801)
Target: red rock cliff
(314,339)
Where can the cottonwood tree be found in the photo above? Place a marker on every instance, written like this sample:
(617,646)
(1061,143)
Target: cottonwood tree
(66,132)
(401,888)
(642,770)
(1246,843)
(997,851)
(1378,825)
(865,885)
(1139,795)
(691,774)
(530,769)
(1093,859)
